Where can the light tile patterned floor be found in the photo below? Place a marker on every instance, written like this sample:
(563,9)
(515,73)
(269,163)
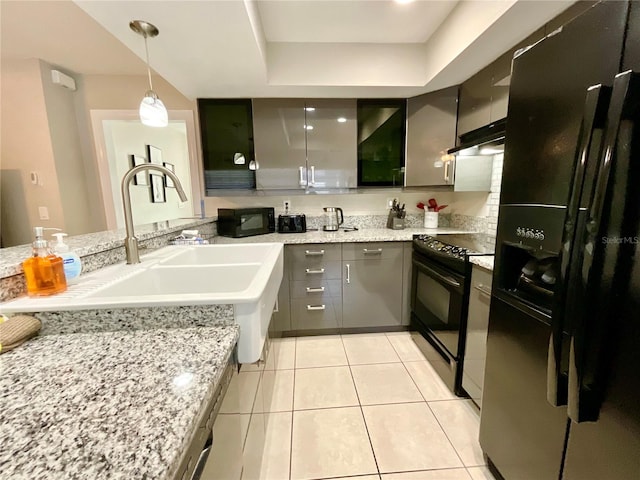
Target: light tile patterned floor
(363,407)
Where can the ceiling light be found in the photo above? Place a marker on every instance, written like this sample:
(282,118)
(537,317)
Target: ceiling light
(402,2)
(342,120)
(310,109)
(309,127)
(152,111)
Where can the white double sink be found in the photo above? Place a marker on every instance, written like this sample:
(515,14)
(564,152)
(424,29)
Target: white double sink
(248,276)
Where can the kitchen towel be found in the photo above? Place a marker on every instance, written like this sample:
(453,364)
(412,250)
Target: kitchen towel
(17,330)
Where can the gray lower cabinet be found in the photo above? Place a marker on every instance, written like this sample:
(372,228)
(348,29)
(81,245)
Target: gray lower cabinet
(281,319)
(407,251)
(372,284)
(476,337)
(314,289)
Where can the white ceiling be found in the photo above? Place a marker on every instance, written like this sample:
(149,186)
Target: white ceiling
(282,48)
(353,21)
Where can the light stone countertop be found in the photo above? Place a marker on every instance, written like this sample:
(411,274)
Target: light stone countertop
(362,235)
(484,261)
(11,258)
(107,405)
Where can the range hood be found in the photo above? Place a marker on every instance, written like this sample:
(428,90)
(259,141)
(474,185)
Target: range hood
(487,140)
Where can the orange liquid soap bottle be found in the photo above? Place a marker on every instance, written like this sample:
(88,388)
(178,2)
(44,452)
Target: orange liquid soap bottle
(43,271)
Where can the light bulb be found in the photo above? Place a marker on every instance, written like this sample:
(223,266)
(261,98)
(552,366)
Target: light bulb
(153,113)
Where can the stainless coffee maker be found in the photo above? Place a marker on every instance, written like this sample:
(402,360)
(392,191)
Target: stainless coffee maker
(332,220)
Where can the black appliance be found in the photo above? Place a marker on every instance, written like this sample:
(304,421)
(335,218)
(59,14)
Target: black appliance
(489,136)
(245,222)
(292,223)
(562,389)
(440,282)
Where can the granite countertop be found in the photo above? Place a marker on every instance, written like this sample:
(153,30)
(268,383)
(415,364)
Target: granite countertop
(362,235)
(11,258)
(485,261)
(109,405)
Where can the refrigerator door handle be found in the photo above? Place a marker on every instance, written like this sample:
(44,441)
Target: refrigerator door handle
(587,347)
(594,116)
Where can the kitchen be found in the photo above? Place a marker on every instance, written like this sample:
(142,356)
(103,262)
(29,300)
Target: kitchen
(343,253)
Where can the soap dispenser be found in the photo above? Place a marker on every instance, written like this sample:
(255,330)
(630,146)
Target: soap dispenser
(70,260)
(43,271)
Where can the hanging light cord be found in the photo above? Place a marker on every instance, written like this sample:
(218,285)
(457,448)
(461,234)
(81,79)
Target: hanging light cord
(146,49)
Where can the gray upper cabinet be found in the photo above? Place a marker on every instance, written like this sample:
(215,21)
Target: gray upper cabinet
(475,101)
(279,143)
(302,144)
(431,131)
(332,155)
(372,284)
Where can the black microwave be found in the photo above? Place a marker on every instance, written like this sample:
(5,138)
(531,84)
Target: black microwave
(244,222)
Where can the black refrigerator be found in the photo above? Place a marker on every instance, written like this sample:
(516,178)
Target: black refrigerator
(562,379)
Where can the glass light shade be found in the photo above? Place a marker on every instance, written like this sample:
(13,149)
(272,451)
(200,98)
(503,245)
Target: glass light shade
(153,113)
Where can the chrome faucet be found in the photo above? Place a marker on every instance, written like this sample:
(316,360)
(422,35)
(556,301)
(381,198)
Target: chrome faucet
(130,241)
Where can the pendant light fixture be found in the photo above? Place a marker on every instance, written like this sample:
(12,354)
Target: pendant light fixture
(152,111)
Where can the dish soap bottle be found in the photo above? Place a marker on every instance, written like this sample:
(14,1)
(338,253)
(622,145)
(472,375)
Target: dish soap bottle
(43,271)
(70,260)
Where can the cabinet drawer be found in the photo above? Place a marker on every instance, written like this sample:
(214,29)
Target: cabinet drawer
(316,271)
(314,252)
(372,250)
(316,289)
(316,314)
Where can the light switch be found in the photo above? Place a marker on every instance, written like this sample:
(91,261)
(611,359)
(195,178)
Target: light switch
(44,213)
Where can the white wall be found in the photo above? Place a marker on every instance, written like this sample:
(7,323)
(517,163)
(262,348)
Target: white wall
(68,154)
(362,202)
(124,137)
(493,202)
(26,147)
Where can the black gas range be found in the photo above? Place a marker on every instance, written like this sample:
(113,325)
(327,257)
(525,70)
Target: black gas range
(454,250)
(440,287)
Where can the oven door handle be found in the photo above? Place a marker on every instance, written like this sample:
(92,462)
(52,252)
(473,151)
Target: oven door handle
(452,282)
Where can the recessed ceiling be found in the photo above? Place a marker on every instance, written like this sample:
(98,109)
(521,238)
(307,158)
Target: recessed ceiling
(249,48)
(62,34)
(352,21)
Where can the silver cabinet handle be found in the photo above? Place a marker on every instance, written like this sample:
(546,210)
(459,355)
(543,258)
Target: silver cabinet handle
(446,171)
(313,175)
(311,253)
(482,289)
(303,182)
(315,307)
(377,251)
(315,289)
(318,271)
(348,273)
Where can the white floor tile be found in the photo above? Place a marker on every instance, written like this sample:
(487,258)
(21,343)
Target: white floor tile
(405,347)
(446,474)
(277,446)
(384,383)
(407,437)
(320,351)
(282,355)
(241,393)
(277,390)
(225,459)
(460,420)
(359,477)
(369,348)
(323,388)
(429,383)
(330,443)
(480,473)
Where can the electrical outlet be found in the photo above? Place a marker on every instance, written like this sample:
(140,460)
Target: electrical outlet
(286,205)
(390,202)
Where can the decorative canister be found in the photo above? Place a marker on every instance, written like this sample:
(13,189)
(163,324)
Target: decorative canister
(430,219)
